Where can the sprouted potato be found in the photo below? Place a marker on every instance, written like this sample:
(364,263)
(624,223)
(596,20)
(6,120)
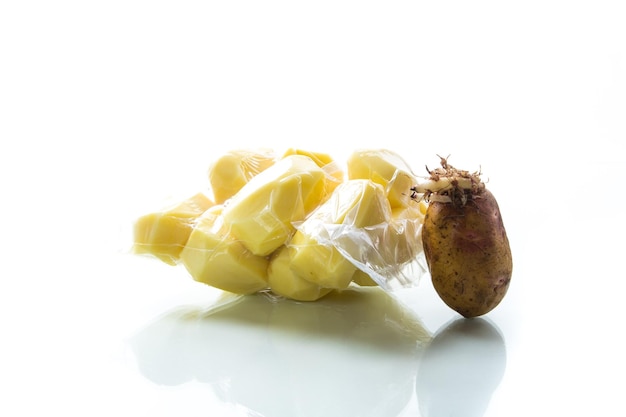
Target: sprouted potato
(465,242)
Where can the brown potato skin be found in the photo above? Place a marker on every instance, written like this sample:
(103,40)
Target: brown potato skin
(468,254)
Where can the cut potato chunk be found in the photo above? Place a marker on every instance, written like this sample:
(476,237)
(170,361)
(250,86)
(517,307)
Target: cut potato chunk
(229,173)
(324,161)
(214,257)
(163,234)
(321,264)
(386,168)
(261,214)
(284,281)
(321,159)
(354,204)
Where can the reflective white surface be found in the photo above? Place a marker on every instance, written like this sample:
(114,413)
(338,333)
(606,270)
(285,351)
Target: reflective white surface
(358,352)
(287,358)
(108,109)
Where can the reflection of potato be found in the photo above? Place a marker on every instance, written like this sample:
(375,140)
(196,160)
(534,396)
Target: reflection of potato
(353,346)
(161,351)
(193,344)
(350,353)
(460,369)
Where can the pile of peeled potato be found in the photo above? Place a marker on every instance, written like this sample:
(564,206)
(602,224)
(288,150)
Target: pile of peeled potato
(276,222)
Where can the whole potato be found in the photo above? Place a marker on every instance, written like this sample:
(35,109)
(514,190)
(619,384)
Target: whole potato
(465,243)
(468,253)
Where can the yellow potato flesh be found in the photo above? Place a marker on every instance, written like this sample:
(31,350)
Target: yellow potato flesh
(321,264)
(214,257)
(262,213)
(355,203)
(386,168)
(284,281)
(321,159)
(249,242)
(229,173)
(163,234)
(324,161)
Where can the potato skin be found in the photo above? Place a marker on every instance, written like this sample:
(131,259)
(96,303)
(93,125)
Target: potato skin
(468,254)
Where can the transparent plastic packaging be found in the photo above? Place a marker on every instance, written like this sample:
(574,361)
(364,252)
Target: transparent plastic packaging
(366,248)
(295,225)
(230,172)
(389,251)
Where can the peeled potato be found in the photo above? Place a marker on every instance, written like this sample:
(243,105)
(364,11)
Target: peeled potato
(284,281)
(230,172)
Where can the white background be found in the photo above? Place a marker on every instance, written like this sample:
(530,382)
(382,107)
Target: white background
(108,108)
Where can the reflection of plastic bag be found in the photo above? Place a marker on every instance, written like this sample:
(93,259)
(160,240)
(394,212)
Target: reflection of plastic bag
(353,353)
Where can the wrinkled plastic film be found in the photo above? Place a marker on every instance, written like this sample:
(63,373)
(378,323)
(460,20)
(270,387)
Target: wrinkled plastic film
(297,227)
(390,253)
(229,173)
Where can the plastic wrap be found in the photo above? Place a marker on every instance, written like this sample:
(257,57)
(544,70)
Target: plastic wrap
(295,225)
(230,172)
(367,248)
(389,251)
(164,233)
